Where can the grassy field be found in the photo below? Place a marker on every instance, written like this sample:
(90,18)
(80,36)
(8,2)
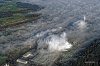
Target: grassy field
(10,13)
(10,20)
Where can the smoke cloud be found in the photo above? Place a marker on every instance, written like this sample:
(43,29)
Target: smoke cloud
(57,43)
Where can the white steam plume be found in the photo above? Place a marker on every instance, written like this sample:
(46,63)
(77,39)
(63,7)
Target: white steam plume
(81,24)
(58,43)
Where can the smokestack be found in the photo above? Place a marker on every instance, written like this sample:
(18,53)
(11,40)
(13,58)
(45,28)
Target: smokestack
(84,18)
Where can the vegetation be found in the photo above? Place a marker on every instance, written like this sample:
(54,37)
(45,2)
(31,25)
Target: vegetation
(2,59)
(11,12)
(16,53)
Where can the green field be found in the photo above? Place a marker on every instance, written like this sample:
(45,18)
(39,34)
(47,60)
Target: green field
(10,13)
(9,6)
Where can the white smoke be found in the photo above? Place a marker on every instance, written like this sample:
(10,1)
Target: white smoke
(58,43)
(81,24)
(42,33)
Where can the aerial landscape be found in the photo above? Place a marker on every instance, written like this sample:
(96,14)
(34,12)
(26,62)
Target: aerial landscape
(49,32)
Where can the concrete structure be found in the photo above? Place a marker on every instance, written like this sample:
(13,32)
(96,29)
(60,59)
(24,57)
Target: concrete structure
(6,65)
(21,61)
(29,54)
